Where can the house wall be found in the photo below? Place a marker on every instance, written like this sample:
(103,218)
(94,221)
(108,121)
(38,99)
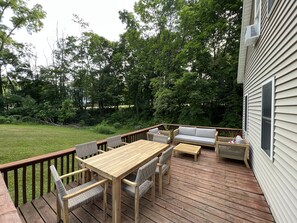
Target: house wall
(275,56)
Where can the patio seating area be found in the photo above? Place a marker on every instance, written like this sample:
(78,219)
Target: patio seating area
(204,191)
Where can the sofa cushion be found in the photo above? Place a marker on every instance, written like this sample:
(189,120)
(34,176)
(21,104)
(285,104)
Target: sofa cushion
(239,140)
(154,130)
(208,133)
(195,139)
(187,131)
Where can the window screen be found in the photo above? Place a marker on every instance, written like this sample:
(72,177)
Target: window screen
(266,117)
(245,112)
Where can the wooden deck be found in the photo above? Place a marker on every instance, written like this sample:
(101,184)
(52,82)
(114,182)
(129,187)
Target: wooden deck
(203,191)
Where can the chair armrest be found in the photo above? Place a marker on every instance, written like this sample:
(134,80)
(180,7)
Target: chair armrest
(246,145)
(125,143)
(216,135)
(149,136)
(224,139)
(79,159)
(110,148)
(101,151)
(68,196)
(72,173)
(175,132)
(130,183)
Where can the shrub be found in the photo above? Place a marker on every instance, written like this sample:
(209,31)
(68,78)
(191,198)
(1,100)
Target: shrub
(7,120)
(117,125)
(103,128)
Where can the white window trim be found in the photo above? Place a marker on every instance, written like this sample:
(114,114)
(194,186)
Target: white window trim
(256,12)
(272,8)
(246,113)
(270,156)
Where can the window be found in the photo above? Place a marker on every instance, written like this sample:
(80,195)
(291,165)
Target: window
(245,112)
(270,5)
(267,117)
(257,14)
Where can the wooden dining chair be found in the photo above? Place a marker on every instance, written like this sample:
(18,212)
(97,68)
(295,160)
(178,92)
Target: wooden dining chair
(137,185)
(163,167)
(114,142)
(68,200)
(84,151)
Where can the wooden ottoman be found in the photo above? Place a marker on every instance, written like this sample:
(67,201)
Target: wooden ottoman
(188,149)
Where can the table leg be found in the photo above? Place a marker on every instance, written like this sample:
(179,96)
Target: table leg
(116,200)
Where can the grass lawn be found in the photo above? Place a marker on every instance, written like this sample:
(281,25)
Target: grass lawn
(22,141)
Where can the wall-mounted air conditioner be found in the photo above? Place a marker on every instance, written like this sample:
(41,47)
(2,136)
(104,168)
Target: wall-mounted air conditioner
(251,34)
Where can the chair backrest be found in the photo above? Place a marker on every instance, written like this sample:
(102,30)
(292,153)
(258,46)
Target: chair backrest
(160,138)
(166,155)
(146,171)
(86,149)
(58,182)
(114,141)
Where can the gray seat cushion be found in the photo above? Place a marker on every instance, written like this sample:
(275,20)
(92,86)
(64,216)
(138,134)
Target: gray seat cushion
(187,131)
(195,139)
(154,130)
(208,133)
(88,196)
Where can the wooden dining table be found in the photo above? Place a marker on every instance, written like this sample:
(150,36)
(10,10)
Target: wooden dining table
(118,163)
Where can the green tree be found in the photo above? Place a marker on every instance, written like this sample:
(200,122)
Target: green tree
(20,16)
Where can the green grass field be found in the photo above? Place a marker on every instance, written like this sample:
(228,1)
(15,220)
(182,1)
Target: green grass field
(22,141)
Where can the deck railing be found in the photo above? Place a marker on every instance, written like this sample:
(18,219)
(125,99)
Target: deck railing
(31,178)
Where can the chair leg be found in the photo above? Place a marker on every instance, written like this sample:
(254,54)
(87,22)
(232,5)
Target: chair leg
(136,211)
(105,200)
(168,175)
(153,193)
(246,163)
(160,183)
(66,214)
(58,211)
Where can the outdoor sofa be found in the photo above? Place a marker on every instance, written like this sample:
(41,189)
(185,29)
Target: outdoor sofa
(197,136)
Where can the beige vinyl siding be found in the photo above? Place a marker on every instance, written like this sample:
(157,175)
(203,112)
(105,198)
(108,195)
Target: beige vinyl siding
(275,56)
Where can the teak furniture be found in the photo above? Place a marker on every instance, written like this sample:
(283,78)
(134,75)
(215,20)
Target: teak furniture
(118,163)
(237,151)
(114,142)
(188,149)
(68,200)
(137,185)
(163,167)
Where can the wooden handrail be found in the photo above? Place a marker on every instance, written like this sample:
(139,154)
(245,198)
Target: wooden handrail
(37,168)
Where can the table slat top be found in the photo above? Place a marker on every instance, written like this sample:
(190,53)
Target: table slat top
(118,162)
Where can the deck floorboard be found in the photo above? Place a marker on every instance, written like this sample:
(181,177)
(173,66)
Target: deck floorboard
(208,190)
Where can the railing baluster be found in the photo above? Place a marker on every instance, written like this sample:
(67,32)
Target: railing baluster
(62,166)
(16,188)
(41,178)
(49,178)
(24,184)
(6,178)
(72,166)
(33,181)
(67,167)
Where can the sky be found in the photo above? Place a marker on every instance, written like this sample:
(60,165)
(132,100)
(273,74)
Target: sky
(102,16)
